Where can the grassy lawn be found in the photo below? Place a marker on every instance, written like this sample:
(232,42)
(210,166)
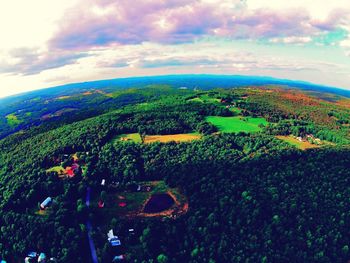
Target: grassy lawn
(62,173)
(184,137)
(237,124)
(58,169)
(135,137)
(13,120)
(295,142)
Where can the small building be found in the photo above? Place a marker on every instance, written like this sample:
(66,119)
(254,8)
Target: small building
(32,254)
(122,204)
(112,239)
(42,258)
(118,258)
(75,167)
(31,257)
(131,231)
(101,204)
(47,202)
(311,136)
(103,182)
(115,242)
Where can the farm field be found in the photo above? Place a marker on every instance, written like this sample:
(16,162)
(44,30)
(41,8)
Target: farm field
(185,137)
(295,142)
(135,137)
(237,124)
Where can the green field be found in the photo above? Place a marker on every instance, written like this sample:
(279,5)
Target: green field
(134,137)
(13,120)
(237,124)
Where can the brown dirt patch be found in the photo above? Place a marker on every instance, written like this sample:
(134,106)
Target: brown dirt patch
(172,137)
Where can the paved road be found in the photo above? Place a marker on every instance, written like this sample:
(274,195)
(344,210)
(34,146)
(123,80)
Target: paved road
(88,193)
(89,228)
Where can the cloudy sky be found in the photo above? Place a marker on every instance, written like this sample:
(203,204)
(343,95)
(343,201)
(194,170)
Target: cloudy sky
(46,43)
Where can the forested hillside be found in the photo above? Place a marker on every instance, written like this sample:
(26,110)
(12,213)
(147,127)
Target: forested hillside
(254,174)
(72,102)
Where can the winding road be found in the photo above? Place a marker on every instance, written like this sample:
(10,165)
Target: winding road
(89,228)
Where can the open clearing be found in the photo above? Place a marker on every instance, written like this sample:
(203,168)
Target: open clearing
(237,124)
(184,137)
(13,120)
(61,172)
(135,137)
(205,99)
(64,97)
(303,145)
(132,203)
(69,171)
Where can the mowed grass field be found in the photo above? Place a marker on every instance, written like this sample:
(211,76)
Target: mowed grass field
(237,124)
(295,142)
(135,137)
(185,137)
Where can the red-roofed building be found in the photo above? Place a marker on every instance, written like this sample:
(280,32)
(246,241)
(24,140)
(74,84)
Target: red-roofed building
(70,172)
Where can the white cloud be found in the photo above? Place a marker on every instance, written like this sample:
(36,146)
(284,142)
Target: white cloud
(29,23)
(317,9)
(27,27)
(292,40)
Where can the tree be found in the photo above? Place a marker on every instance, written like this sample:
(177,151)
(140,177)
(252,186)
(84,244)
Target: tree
(162,258)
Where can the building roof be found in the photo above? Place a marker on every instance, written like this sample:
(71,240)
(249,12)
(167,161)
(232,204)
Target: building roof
(118,258)
(115,242)
(42,257)
(32,254)
(46,202)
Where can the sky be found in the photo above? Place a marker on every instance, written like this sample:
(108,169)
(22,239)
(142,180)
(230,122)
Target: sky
(48,43)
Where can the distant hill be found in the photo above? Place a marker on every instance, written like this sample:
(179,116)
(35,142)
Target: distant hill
(202,81)
(86,99)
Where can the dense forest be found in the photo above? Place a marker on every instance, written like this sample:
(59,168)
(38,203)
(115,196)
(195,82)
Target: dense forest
(251,196)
